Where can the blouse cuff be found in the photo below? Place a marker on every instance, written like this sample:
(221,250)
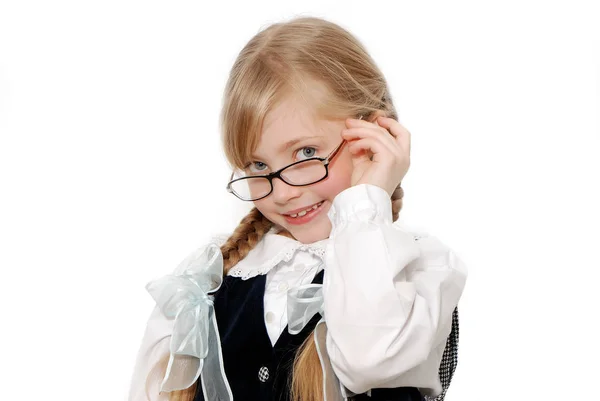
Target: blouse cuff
(364,203)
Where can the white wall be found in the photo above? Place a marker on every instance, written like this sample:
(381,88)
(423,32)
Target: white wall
(111,172)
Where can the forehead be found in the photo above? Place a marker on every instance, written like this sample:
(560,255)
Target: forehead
(292,119)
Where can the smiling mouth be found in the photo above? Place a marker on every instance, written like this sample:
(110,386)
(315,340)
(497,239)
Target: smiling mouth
(305,211)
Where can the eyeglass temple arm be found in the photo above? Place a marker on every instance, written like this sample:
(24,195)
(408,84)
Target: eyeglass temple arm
(228,188)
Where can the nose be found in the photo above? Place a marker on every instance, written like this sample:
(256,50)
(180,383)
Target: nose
(283,193)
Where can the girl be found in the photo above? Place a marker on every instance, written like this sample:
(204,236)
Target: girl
(316,295)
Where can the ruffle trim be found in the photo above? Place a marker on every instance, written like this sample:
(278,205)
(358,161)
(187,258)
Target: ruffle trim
(286,255)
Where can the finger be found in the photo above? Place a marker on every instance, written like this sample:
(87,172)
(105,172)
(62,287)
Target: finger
(363,132)
(352,123)
(355,122)
(380,134)
(359,156)
(396,129)
(380,152)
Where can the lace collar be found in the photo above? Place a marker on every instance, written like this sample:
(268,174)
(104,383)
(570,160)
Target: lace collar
(270,251)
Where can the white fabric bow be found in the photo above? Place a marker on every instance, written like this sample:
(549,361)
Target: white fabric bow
(304,302)
(195,348)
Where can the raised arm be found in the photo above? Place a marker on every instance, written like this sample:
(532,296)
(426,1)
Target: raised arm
(389,296)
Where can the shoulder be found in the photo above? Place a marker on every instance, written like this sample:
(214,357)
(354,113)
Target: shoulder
(204,250)
(200,270)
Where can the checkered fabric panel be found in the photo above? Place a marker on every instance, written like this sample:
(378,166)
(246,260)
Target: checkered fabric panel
(449,359)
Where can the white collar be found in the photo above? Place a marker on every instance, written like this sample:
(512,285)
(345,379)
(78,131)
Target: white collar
(270,251)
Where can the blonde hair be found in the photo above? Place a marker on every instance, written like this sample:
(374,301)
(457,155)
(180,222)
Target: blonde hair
(325,65)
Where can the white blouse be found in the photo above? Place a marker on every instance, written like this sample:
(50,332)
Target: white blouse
(388,294)
(287,264)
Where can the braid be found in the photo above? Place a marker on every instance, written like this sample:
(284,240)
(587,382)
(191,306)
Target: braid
(184,395)
(397,196)
(245,237)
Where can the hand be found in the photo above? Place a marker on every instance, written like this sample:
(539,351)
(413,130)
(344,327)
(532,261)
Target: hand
(380,152)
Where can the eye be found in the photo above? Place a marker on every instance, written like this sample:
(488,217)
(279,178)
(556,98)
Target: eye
(306,152)
(257,167)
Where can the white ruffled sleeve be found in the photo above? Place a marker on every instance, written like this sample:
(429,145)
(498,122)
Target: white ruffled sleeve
(154,348)
(388,296)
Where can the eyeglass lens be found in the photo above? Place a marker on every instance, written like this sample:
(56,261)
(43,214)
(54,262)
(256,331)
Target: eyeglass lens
(304,173)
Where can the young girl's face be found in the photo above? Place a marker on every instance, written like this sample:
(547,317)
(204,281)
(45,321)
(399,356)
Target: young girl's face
(289,121)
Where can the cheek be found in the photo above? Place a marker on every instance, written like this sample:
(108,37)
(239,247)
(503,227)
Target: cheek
(263,206)
(338,180)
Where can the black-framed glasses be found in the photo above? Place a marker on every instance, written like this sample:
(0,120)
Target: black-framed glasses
(298,174)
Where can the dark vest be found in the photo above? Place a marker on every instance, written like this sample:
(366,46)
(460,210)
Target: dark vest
(256,370)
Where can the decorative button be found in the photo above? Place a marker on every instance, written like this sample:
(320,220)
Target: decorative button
(283,287)
(263,374)
(270,317)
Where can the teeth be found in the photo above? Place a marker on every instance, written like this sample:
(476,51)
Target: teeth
(302,213)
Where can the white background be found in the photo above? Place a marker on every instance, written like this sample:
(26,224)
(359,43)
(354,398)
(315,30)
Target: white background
(111,172)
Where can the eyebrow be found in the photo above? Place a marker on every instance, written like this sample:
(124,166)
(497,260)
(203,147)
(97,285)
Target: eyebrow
(293,142)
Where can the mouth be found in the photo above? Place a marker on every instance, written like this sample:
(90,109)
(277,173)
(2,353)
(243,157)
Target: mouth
(304,215)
